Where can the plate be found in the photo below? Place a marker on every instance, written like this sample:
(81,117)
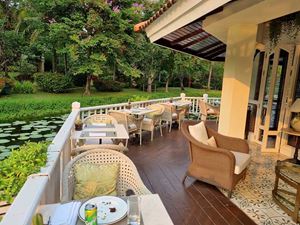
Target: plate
(104,216)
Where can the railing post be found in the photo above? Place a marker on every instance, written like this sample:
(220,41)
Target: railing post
(182,96)
(75,106)
(205,97)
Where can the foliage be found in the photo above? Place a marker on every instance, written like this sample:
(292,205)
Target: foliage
(289,24)
(6,85)
(39,105)
(25,87)
(22,162)
(107,85)
(53,82)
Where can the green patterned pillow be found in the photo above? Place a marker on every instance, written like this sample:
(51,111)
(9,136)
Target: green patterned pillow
(94,180)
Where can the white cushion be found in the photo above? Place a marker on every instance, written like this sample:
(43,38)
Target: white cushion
(174,116)
(212,142)
(132,126)
(199,132)
(147,121)
(242,160)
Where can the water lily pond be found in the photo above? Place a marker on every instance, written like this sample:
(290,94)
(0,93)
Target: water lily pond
(14,134)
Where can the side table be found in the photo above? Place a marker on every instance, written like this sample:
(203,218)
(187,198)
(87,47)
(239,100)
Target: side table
(292,132)
(287,200)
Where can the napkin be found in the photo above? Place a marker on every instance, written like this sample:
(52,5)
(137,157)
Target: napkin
(99,124)
(97,134)
(66,214)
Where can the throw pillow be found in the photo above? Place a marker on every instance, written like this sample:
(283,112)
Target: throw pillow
(95,179)
(199,132)
(212,142)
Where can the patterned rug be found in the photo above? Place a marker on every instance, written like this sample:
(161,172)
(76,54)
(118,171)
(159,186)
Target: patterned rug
(254,194)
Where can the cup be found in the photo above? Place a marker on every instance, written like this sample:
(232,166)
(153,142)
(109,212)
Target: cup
(134,210)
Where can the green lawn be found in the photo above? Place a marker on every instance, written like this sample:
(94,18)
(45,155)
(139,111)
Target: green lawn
(41,104)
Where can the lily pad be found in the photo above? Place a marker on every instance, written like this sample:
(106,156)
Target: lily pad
(9,128)
(2,148)
(50,135)
(23,138)
(49,139)
(6,150)
(3,141)
(4,124)
(2,135)
(43,129)
(8,131)
(58,122)
(26,128)
(25,134)
(5,154)
(15,135)
(35,136)
(13,146)
(19,123)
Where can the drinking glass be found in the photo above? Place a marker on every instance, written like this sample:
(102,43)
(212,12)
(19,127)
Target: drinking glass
(134,210)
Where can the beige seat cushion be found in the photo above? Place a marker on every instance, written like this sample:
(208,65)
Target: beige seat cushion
(212,142)
(132,126)
(199,132)
(147,121)
(242,160)
(174,116)
(94,180)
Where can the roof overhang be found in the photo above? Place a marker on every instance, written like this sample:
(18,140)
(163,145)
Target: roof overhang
(200,27)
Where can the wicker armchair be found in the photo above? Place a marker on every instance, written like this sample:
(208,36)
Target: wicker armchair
(206,112)
(128,179)
(132,124)
(100,118)
(223,166)
(120,148)
(153,119)
(171,115)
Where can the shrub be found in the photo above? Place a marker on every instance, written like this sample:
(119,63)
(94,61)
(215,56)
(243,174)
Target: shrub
(197,85)
(6,85)
(25,87)
(53,82)
(107,85)
(15,169)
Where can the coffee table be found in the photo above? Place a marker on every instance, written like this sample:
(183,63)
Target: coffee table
(288,201)
(152,209)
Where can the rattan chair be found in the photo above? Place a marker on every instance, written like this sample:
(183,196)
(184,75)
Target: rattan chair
(132,124)
(117,147)
(99,118)
(171,115)
(128,178)
(206,112)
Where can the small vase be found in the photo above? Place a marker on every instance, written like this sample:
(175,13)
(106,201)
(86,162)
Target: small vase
(295,123)
(78,127)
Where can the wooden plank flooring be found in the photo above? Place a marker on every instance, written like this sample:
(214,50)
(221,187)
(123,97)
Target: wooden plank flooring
(162,164)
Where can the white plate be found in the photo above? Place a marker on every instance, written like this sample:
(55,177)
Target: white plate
(103,204)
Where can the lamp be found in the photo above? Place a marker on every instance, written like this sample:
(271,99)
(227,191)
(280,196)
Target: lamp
(295,122)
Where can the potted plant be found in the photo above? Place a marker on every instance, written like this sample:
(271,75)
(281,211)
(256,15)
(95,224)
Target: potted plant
(78,125)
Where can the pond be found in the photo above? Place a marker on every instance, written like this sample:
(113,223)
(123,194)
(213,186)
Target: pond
(14,134)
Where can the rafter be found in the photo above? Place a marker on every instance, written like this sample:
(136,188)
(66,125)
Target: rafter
(215,53)
(209,47)
(195,41)
(199,31)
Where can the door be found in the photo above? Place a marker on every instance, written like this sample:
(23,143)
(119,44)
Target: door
(273,96)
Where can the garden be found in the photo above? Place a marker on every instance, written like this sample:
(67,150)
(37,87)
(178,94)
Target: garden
(53,53)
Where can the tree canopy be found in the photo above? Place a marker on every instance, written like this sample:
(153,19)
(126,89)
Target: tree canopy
(93,39)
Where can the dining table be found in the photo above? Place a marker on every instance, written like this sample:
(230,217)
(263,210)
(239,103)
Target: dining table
(153,212)
(137,112)
(100,132)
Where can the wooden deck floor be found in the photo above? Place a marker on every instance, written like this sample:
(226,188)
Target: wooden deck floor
(162,164)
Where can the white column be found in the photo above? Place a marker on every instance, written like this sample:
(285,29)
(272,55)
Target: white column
(75,106)
(241,40)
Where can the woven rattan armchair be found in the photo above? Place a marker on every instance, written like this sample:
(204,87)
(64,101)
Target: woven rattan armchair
(132,124)
(171,115)
(100,118)
(128,178)
(206,112)
(153,119)
(117,147)
(215,165)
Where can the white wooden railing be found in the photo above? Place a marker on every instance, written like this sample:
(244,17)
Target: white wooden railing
(45,187)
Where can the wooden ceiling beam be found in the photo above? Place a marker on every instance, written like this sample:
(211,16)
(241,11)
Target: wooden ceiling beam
(215,53)
(187,36)
(209,47)
(195,41)
(212,51)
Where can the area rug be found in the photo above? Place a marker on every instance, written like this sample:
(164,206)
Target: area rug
(254,194)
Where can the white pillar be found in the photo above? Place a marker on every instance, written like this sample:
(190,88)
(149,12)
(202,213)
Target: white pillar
(75,106)
(241,40)
(205,97)
(182,96)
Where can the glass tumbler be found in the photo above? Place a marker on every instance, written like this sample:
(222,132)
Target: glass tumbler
(134,210)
